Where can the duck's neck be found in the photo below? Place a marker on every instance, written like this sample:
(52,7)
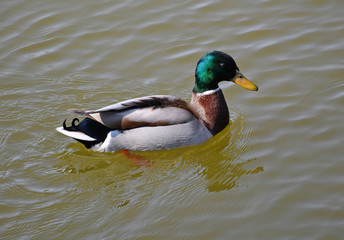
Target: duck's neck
(212,109)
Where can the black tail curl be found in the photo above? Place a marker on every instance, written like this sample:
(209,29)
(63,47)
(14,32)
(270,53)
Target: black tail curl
(89,127)
(73,127)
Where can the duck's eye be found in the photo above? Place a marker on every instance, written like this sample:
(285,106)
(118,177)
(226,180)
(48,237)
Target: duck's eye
(222,65)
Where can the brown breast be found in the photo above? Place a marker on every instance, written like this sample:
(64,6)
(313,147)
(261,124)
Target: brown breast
(211,109)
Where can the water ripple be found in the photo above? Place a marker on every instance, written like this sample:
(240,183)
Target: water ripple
(280,156)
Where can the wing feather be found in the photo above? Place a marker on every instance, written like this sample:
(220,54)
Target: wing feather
(149,101)
(156,110)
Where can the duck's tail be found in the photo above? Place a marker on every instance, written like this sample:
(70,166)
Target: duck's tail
(89,132)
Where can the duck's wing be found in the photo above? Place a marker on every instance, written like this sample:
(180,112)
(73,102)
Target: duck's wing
(156,110)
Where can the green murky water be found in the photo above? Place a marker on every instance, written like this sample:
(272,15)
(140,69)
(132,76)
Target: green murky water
(275,173)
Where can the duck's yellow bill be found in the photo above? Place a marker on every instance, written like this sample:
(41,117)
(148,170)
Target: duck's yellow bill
(242,81)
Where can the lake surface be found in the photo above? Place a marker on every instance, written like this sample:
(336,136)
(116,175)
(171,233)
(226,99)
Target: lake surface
(276,172)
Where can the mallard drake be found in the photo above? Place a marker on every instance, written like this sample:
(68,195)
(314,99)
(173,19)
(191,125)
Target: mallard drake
(163,121)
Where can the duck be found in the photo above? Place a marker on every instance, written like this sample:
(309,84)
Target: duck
(159,122)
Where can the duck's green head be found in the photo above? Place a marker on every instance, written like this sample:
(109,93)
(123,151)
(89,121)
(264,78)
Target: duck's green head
(216,66)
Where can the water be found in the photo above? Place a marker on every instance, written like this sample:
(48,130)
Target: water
(275,173)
